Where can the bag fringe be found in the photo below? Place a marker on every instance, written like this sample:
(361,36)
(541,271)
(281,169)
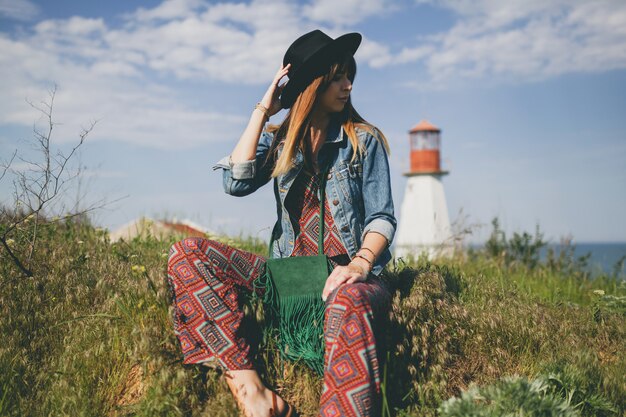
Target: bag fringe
(299,322)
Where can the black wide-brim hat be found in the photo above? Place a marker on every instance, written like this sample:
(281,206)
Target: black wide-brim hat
(310,56)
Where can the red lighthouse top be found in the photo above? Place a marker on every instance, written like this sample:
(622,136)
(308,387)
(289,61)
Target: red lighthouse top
(425,142)
(424,126)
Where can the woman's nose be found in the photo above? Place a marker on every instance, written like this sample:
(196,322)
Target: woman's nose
(347,84)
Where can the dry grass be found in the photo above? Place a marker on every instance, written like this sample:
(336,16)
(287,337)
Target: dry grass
(90,334)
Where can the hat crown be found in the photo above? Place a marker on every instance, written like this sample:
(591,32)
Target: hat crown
(305,46)
(312,54)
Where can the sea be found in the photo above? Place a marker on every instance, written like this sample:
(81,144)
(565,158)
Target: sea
(603,260)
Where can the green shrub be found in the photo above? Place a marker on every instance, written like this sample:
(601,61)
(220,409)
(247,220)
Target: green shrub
(580,387)
(511,396)
(522,248)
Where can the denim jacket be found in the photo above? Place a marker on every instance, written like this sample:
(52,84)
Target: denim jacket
(358,192)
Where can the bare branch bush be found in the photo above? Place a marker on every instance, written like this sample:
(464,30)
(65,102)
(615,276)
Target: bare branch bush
(460,230)
(39,187)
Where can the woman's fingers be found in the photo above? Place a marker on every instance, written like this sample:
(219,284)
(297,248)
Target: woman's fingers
(275,83)
(357,278)
(281,73)
(339,276)
(330,282)
(343,278)
(270,99)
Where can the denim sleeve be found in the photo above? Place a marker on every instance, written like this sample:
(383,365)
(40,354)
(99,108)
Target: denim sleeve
(243,178)
(377,198)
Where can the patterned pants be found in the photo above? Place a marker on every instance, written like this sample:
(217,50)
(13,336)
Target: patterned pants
(207,279)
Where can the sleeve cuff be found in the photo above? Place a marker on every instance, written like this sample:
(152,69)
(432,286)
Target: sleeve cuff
(223,163)
(382,227)
(239,170)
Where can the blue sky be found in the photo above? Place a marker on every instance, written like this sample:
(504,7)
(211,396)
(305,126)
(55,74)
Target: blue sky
(530,96)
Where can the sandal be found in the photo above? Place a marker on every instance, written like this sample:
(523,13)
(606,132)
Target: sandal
(289,412)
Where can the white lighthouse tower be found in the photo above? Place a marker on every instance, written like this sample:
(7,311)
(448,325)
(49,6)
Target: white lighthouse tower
(424,225)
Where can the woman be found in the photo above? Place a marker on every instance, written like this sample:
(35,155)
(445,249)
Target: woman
(321,133)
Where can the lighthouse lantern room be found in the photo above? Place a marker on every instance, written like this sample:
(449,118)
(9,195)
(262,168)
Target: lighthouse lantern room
(425,142)
(424,224)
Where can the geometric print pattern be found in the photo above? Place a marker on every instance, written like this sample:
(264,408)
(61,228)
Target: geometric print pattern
(206,279)
(303,206)
(354,314)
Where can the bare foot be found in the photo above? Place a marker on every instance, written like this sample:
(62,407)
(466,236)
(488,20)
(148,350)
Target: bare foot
(255,400)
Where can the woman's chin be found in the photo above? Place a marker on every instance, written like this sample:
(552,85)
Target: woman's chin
(340,107)
(335,108)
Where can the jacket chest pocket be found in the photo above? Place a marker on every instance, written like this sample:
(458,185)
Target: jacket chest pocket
(349,176)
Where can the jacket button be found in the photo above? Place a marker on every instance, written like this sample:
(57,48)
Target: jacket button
(330,176)
(335,202)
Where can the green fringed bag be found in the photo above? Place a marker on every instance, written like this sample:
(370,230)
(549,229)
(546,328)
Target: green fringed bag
(293,300)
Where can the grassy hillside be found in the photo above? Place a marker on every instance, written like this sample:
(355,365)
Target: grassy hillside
(90,334)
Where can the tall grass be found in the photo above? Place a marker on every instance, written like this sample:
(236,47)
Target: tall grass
(90,334)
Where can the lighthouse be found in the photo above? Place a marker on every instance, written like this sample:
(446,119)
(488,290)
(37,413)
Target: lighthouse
(424,225)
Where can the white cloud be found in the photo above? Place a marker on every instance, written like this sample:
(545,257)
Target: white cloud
(128,108)
(239,43)
(376,54)
(524,39)
(105,73)
(18,9)
(346,12)
(69,28)
(108,73)
(169,9)
(102,72)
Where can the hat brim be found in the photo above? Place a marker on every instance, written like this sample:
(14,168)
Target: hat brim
(317,64)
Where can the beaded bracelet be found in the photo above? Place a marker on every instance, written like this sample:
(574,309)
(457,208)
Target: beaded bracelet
(263,109)
(369,250)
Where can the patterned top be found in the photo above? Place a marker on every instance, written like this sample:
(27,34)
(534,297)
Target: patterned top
(303,205)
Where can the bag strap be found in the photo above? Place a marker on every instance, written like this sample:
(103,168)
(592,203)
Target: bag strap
(322,195)
(320,238)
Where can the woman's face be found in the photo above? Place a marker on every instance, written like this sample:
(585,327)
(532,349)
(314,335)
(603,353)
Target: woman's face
(336,95)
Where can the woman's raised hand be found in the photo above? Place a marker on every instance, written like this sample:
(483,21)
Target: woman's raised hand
(271,98)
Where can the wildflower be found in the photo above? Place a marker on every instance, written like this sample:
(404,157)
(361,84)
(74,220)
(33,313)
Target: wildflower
(10,243)
(598,292)
(80,242)
(138,269)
